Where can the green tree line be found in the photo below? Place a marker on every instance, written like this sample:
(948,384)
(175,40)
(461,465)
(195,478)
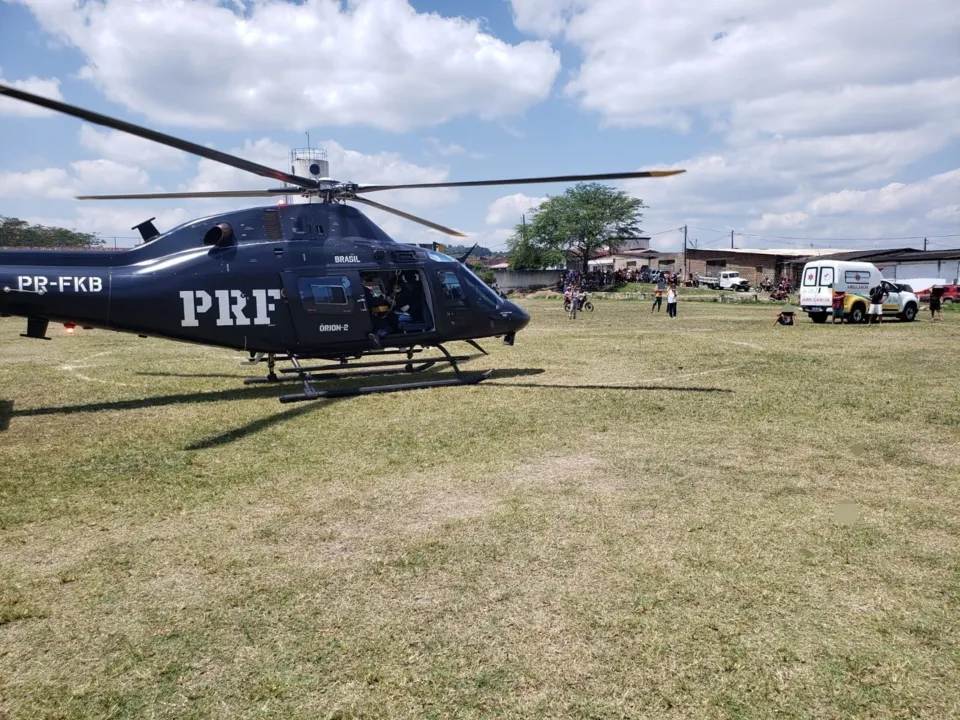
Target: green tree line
(15,232)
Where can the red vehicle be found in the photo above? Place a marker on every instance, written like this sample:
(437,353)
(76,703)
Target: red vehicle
(951,294)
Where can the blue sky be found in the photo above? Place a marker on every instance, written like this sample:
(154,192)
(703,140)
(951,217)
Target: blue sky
(792,121)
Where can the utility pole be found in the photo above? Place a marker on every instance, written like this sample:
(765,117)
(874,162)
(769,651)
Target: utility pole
(731,239)
(686,262)
(924,244)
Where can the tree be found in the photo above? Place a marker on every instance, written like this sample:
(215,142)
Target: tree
(15,232)
(458,250)
(482,272)
(586,218)
(523,254)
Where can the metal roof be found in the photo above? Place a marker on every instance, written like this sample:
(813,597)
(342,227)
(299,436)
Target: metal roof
(889,255)
(777,252)
(928,255)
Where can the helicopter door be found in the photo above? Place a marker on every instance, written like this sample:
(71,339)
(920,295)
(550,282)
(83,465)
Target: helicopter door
(452,303)
(327,309)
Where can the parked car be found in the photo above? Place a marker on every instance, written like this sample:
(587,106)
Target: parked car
(822,277)
(726,280)
(951,294)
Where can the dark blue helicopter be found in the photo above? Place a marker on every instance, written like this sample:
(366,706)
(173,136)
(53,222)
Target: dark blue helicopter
(317,280)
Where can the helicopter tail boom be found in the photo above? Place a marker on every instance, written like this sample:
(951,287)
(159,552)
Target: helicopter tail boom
(61,294)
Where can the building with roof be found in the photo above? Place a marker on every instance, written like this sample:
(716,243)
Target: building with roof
(628,256)
(899,263)
(621,260)
(752,264)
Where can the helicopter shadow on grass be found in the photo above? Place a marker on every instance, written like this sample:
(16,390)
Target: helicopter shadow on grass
(259,392)
(499,374)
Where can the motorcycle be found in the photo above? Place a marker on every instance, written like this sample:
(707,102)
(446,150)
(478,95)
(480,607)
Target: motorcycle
(582,301)
(780,294)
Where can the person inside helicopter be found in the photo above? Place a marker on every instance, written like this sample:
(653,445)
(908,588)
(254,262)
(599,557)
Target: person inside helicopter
(401,309)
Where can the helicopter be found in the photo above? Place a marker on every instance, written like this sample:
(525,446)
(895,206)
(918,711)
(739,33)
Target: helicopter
(289,283)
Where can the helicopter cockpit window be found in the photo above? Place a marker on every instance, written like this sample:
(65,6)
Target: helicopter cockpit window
(452,291)
(325,294)
(439,257)
(489,300)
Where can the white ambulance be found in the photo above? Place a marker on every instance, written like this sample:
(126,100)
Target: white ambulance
(821,278)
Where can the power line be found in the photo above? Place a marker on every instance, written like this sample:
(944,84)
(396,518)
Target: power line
(661,232)
(694,227)
(876,239)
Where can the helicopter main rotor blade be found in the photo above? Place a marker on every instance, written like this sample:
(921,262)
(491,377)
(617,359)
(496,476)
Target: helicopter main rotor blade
(408,216)
(522,181)
(168,140)
(211,194)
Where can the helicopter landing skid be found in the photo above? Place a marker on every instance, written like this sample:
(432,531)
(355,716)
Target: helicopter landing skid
(307,374)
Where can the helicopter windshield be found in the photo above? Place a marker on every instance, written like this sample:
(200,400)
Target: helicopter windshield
(439,257)
(488,298)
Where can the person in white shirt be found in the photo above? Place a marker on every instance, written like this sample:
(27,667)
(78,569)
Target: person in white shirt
(672,301)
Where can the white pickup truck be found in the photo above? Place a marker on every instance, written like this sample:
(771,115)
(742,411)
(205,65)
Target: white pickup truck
(728,280)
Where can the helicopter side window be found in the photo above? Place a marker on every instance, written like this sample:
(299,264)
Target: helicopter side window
(302,227)
(452,291)
(325,294)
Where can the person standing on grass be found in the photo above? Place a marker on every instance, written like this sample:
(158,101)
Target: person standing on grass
(877,296)
(935,302)
(657,297)
(672,301)
(838,296)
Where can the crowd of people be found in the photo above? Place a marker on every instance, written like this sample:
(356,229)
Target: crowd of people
(596,279)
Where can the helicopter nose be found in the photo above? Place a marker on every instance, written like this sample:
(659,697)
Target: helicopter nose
(519,318)
(516,319)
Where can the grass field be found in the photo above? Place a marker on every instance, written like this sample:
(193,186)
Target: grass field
(634,517)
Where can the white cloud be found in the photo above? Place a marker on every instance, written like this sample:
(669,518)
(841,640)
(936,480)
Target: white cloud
(723,193)
(87,176)
(46,87)
(850,109)
(652,63)
(347,165)
(111,221)
(212,175)
(813,110)
(389,168)
(270,64)
(778,221)
(510,208)
(444,149)
(46,183)
(936,191)
(103,175)
(123,147)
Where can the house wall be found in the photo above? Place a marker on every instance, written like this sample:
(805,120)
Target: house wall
(668,261)
(753,267)
(947,270)
(515,279)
